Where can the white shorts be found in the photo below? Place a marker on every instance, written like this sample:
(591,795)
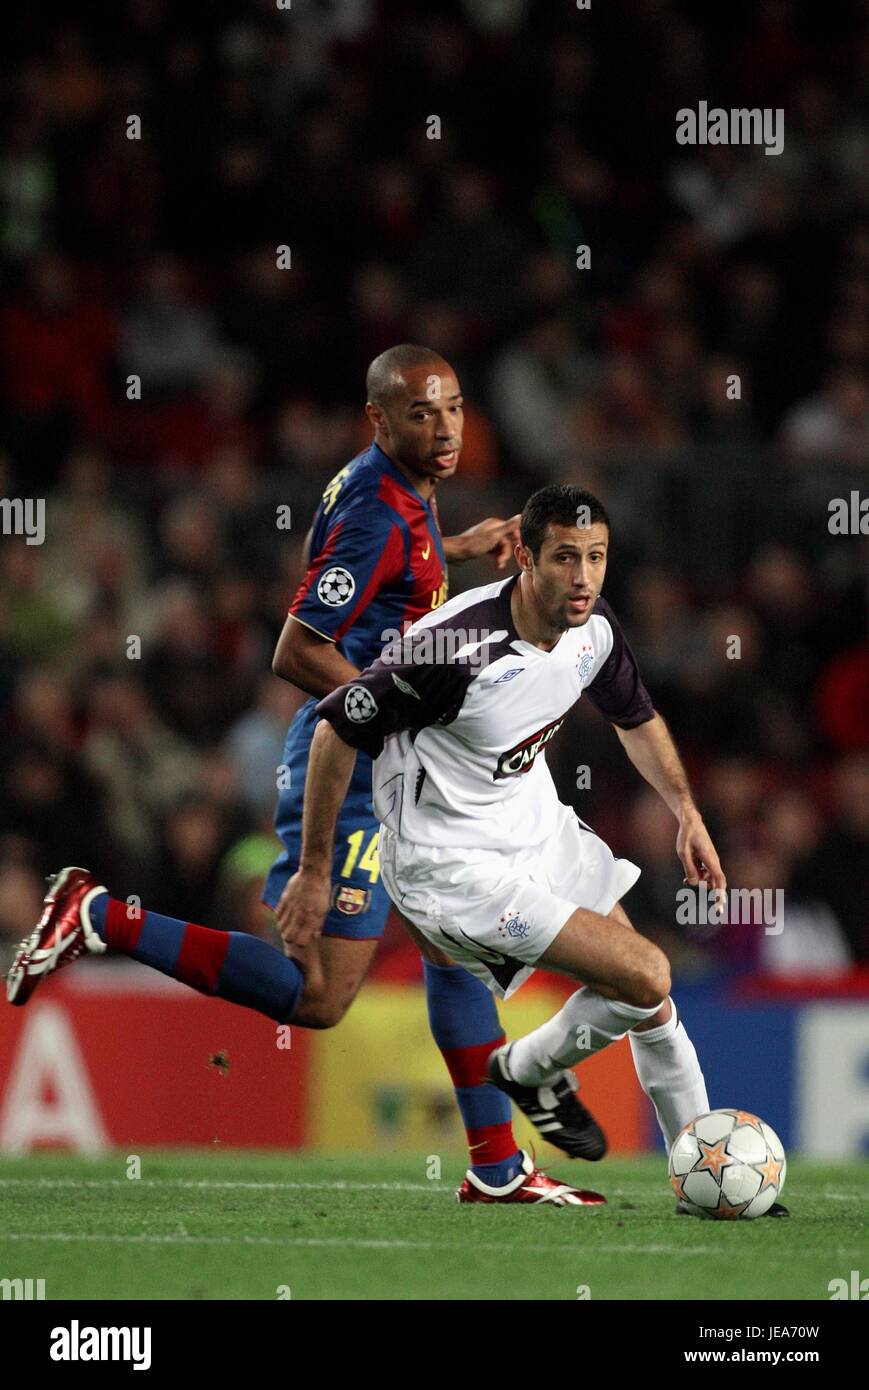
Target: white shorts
(496,913)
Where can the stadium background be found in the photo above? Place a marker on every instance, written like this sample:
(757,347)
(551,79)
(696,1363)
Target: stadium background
(157,257)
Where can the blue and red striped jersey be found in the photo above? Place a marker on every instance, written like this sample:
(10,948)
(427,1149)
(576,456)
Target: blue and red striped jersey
(376,559)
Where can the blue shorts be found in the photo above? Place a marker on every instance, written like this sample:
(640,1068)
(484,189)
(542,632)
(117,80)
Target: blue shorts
(360,903)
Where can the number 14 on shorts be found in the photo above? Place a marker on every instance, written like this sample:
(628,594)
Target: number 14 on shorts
(369,863)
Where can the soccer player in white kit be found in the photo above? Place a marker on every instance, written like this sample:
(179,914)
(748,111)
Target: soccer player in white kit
(476,849)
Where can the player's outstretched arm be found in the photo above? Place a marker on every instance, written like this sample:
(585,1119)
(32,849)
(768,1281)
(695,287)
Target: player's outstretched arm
(304,903)
(490,537)
(653,753)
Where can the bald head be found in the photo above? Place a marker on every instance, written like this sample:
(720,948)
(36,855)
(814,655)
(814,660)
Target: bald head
(387,374)
(415,405)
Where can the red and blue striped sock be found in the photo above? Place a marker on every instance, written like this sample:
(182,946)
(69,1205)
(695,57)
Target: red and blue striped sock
(231,965)
(465,1025)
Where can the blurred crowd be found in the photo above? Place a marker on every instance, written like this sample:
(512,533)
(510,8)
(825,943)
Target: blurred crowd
(170,378)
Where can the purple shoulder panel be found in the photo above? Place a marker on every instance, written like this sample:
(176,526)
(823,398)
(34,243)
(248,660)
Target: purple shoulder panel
(422,678)
(617,691)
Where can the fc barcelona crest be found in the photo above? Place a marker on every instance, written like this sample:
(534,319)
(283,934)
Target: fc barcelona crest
(352,901)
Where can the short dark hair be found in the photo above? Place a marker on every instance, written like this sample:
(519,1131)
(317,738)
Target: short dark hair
(559,503)
(386,372)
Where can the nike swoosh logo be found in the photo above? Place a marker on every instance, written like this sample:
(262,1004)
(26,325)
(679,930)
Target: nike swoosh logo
(427,551)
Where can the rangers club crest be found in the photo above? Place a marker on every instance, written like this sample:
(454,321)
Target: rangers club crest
(512,925)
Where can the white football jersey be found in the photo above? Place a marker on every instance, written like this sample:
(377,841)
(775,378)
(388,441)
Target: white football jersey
(457,715)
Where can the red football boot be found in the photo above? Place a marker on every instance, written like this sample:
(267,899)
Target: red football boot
(60,936)
(529,1186)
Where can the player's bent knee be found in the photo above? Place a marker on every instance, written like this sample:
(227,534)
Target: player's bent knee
(320,1013)
(655,984)
(325,1008)
(649,982)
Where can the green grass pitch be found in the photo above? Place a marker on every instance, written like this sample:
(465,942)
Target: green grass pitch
(216,1225)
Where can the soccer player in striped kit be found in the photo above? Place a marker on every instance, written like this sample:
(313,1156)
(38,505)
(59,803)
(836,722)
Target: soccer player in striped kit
(377,561)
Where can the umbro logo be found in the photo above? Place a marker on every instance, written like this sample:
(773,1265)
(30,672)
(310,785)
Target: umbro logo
(405,687)
(508,675)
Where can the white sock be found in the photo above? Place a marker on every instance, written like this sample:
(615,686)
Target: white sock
(669,1073)
(586,1024)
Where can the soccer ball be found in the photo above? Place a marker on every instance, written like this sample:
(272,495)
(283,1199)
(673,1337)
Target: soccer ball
(728,1165)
